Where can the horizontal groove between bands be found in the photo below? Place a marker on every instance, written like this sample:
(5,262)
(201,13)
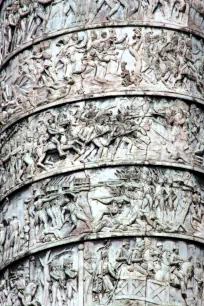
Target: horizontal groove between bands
(130,92)
(92,237)
(95,165)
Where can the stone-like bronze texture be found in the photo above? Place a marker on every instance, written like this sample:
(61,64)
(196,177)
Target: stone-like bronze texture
(101,153)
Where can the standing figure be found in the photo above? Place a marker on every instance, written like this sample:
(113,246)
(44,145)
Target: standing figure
(58,277)
(14,238)
(71,279)
(24,11)
(199,281)
(177,275)
(156,4)
(38,17)
(114,7)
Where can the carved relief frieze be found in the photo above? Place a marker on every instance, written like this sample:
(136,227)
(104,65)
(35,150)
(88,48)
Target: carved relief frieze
(136,271)
(196,17)
(143,271)
(24,21)
(50,278)
(102,62)
(102,203)
(90,133)
(101,153)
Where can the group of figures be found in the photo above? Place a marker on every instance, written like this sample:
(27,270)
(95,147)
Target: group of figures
(24,20)
(48,280)
(106,201)
(136,272)
(109,60)
(115,129)
(90,215)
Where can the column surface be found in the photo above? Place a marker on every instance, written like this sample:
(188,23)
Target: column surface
(101,152)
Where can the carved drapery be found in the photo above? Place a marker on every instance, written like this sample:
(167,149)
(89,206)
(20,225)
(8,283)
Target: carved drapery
(101,152)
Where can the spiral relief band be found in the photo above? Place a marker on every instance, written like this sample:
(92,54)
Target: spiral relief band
(101,153)
(25,22)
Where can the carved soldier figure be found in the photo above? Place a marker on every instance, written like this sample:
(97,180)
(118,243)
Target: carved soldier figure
(14,236)
(180,6)
(114,6)
(104,283)
(154,221)
(124,255)
(17,159)
(156,4)
(53,208)
(28,295)
(161,197)
(40,214)
(70,7)
(188,71)
(58,277)
(3,292)
(13,19)
(177,274)
(55,133)
(38,17)
(138,257)
(135,48)
(18,281)
(76,214)
(198,275)
(2,240)
(71,280)
(24,12)
(153,258)
(28,158)
(137,7)
(7,240)
(24,237)
(114,206)
(62,55)
(46,70)
(149,195)
(76,45)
